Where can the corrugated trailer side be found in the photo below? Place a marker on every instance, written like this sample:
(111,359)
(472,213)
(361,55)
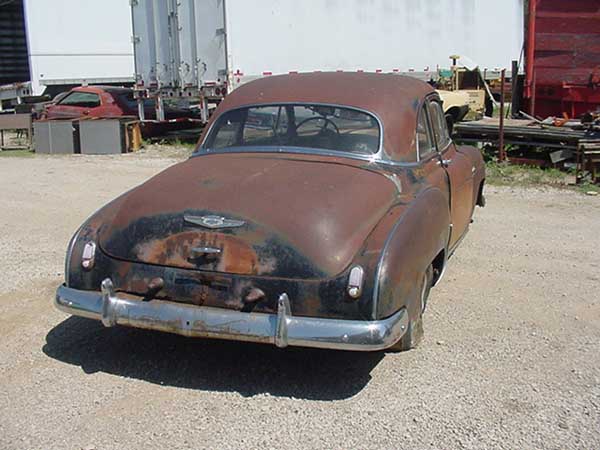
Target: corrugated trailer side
(202,43)
(152,43)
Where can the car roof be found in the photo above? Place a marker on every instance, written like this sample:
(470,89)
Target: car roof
(394,99)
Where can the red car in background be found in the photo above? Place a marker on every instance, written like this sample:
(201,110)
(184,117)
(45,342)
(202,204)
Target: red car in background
(110,101)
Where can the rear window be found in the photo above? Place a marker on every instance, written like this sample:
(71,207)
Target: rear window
(81,99)
(308,126)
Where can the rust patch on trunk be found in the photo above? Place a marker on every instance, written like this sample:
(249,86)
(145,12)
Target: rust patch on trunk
(236,255)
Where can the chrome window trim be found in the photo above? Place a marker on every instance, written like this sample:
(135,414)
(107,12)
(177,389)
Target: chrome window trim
(283,150)
(381,156)
(309,151)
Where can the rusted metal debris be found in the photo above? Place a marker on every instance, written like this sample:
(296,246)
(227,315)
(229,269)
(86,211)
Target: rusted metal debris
(540,143)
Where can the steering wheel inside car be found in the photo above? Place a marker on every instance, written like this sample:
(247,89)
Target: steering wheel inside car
(325,119)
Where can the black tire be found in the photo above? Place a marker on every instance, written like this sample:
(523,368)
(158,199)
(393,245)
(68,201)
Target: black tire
(481,196)
(414,334)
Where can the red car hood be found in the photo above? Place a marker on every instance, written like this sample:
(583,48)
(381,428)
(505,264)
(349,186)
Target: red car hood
(297,216)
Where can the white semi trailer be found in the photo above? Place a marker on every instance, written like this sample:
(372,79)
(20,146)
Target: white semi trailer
(206,48)
(72,42)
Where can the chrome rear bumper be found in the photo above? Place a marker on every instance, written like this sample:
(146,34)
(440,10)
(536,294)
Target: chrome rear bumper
(281,329)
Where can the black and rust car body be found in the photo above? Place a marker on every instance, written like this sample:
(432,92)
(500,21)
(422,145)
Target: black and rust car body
(332,247)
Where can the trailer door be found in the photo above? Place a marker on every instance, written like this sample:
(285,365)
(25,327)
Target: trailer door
(211,42)
(154,43)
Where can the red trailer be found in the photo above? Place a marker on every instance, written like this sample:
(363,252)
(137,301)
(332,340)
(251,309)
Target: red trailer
(562,57)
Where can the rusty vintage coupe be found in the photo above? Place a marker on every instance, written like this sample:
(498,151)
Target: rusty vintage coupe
(318,210)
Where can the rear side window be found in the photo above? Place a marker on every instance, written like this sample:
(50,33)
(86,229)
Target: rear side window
(425,145)
(82,99)
(438,124)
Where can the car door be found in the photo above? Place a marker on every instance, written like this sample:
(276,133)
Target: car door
(460,173)
(427,156)
(76,104)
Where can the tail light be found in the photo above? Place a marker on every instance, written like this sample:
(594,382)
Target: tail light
(355,281)
(88,255)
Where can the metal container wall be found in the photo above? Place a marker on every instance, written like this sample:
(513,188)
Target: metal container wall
(178,43)
(56,137)
(154,41)
(563,57)
(188,53)
(101,137)
(210,41)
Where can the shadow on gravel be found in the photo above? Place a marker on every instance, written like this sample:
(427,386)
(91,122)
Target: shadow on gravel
(211,365)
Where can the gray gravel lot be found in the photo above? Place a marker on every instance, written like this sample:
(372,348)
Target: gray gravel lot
(511,357)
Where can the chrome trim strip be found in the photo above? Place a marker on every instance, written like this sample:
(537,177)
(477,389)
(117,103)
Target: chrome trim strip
(306,151)
(281,329)
(394,179)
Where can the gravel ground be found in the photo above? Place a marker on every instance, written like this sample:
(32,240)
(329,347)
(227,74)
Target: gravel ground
(511,357)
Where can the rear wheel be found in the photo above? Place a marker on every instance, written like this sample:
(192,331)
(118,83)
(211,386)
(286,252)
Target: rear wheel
(414,334)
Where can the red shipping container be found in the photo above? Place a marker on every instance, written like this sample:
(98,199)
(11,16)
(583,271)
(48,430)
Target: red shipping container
(562,57)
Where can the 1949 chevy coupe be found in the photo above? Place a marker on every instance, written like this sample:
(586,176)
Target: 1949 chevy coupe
(318,210)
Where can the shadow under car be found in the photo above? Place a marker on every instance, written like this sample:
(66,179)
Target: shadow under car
(211,365)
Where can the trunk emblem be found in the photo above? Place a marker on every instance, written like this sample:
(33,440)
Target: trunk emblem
(213,222)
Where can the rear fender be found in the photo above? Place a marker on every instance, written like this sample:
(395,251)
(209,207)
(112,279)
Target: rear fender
(420,234)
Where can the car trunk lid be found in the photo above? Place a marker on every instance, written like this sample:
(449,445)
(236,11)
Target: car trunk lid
(256,214)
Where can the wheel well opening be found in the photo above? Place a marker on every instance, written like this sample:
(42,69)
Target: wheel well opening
(480,197)
(438,266)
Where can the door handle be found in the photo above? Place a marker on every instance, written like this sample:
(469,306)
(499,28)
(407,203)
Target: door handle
(444,162)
